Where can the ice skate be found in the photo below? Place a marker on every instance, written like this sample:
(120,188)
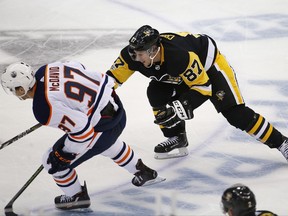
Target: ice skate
(145,176)
(284,148)
(78,201)
(173,147)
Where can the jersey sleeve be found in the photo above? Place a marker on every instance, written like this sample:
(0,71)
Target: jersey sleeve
(120,70)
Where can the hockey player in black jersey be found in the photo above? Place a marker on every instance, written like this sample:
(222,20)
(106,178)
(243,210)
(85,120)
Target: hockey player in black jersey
(239,200)
(185,71)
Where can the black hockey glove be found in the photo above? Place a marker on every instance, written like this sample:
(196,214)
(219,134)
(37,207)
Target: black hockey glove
(59,160)
(172,114)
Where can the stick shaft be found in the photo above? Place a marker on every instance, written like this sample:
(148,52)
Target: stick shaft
(9,207)
(24,133)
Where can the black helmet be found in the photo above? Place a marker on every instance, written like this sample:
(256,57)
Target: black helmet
(240,199)
(144,38)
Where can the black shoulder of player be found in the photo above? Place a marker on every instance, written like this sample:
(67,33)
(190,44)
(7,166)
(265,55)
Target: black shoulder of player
(41,108)
(175,53)
(40,72)
(168,35)
(264,213)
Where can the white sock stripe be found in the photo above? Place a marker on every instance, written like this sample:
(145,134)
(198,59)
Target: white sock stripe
(210,55)
(262,130)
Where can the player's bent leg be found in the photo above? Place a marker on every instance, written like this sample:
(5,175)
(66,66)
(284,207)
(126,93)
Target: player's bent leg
(123,155)
(75,196)
(257,126)
(176,143)
(160,94)
(79,200)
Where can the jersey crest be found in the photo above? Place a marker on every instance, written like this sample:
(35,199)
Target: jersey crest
(168,79)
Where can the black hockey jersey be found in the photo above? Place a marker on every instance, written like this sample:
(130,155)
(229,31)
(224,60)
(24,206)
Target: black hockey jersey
(185,59)
(264,213)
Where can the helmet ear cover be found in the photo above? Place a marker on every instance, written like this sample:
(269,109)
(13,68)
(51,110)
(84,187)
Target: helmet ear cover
(144,38)
(18,74)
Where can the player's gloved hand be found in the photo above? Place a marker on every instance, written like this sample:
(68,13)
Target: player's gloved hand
(167,117)
(59,160)
(172,114)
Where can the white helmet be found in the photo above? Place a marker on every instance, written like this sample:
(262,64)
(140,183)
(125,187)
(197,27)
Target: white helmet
(16,75)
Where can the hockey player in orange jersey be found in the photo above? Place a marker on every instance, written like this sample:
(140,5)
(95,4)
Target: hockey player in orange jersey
(84,105)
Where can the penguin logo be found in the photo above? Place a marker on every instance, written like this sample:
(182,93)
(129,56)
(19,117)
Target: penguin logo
(220,95)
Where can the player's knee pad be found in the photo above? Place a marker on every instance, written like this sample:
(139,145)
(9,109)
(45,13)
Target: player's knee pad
(239,116)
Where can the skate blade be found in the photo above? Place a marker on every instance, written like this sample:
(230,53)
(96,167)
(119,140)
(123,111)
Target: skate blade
(75,212)
(79,206)
(81,210)
(154,181)
(181,153)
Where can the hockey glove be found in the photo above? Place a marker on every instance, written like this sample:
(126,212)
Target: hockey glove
(59,160)
(172,114)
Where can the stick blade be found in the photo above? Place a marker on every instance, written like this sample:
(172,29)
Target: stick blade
(9,211)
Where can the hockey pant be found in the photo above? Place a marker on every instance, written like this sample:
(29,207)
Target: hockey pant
(67,180)
(226,98)
(121,153)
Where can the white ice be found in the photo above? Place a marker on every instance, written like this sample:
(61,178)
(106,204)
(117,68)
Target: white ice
(253,35)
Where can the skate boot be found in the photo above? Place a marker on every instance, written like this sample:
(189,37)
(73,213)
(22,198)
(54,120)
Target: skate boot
(145,176)
(165,149)
(284,148)
(79,200)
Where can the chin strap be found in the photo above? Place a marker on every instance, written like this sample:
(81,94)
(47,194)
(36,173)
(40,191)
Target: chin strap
(152,58)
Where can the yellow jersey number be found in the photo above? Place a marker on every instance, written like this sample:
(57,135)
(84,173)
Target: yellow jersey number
(193,72)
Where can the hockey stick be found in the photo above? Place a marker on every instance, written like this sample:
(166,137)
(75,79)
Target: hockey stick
(3,145)
(9,207)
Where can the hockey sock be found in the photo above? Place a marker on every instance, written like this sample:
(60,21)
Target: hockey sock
(123,155)
(68,182)
(265,132)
